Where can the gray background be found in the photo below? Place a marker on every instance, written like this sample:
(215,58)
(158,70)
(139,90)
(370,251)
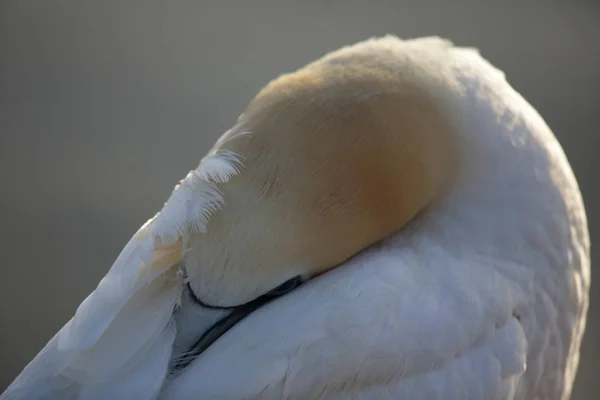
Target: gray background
(105,105)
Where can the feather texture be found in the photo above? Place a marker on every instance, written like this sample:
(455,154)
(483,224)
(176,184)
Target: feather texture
(119,342)
(483,296)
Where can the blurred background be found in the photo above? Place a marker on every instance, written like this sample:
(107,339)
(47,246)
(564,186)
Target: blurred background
(105,105)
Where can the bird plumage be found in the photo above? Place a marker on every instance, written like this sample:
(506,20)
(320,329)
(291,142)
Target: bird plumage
(480,293)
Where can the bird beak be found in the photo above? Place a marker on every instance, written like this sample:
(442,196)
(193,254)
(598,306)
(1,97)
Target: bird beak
(233,316)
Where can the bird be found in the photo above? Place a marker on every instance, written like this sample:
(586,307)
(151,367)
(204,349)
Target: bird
(390,221)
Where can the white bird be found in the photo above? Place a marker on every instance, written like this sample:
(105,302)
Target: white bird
(422,211)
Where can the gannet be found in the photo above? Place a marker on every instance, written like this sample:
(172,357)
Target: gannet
(391,221)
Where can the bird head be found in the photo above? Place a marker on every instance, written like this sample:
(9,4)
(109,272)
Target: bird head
(328,160)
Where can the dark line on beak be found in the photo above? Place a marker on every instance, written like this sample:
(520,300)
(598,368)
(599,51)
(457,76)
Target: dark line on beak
(224,324)
(280,290)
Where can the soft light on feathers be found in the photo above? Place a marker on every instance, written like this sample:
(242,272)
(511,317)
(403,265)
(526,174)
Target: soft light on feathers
(477,286)
(124,329)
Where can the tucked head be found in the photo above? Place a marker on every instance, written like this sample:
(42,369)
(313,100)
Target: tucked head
(335,156)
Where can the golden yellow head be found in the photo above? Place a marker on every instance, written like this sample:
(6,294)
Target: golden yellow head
(338,155)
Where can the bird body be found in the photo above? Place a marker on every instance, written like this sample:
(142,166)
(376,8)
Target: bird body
(430,213)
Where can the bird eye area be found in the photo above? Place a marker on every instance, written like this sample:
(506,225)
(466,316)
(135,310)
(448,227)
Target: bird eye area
(278,291)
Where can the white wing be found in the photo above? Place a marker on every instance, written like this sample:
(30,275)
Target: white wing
(418,320)
(118,344)
(436,316)
(386,325)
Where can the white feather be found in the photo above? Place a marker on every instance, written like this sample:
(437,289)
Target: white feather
(118,343)
(98,310)
(220,166)
(135,328)
(142,382)
(474,300)
(483,297)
